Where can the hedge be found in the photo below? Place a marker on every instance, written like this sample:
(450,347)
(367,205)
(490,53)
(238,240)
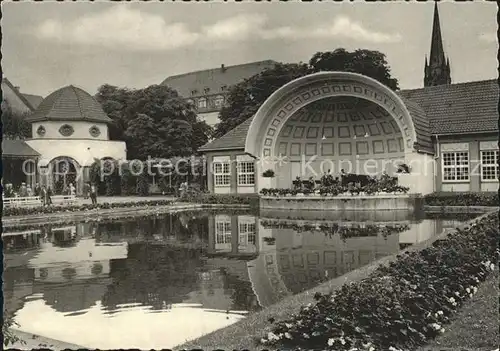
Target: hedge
(24,211)
(400,306)
(225,199)
(462,199)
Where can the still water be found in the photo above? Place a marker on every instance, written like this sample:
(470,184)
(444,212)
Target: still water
(156,282)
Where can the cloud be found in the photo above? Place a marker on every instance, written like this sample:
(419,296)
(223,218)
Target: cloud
(488,37)
(126,28)
(122,27)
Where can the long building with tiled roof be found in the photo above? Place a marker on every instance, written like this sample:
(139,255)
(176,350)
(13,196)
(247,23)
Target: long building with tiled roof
(207,89)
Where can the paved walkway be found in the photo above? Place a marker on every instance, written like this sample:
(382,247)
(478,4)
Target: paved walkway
(33,342)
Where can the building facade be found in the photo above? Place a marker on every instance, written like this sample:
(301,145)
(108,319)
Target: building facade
(207,90)
(447,133)
(69,131)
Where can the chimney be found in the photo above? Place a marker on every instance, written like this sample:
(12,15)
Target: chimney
(222,68)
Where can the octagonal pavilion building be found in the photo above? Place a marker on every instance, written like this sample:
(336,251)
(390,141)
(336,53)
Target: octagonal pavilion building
(70,131)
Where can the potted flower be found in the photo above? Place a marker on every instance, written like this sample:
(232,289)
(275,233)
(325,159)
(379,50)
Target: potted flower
(267,177)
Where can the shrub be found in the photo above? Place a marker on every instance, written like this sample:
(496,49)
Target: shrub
(223,199)
(268,173)
(399,306)
(462,199)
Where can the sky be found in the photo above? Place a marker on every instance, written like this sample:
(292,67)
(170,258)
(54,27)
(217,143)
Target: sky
(48,45)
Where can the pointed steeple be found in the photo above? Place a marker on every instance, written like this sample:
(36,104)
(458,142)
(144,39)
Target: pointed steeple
(438,67)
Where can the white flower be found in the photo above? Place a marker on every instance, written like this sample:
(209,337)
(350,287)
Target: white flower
(492,267)
(454,304)
(371,348)
(435,326)
(440,313)
(468,290)
(442,330)
(358,329)
(470,295)
(331,342)
(476,279)
(263,341)
(451,299)
(457,293)
(288,336)
(342,340)
(475,290)
(271,336)
(288,325)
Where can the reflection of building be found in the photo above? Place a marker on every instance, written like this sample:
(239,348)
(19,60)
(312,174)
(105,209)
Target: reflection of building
(233,235)
(207,90)
(352,122)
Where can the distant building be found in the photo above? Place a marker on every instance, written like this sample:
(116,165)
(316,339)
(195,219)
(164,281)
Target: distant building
(207,90)
(447,133)
(19,103)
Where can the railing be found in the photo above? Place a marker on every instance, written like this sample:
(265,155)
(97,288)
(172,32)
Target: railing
(33,201)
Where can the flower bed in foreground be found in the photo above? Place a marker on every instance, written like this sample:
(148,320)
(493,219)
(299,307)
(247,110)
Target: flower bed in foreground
(23,211)
(400,306)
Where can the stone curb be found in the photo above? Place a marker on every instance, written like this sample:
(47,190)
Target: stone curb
(96,214)
(243,334)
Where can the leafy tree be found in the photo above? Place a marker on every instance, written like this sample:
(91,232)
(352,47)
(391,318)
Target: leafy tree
(370,63)
(154,121)
(14,125)
(245,98)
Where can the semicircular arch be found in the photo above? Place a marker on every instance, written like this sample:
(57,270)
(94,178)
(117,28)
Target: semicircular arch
(283,103)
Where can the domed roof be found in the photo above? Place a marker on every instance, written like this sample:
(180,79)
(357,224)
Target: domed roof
(69,104)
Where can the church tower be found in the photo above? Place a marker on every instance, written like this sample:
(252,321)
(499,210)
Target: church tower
(437,69)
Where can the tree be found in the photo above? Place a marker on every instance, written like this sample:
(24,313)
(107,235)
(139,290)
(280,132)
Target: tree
(14,125)
(154,121)
(367,62)
(245,98)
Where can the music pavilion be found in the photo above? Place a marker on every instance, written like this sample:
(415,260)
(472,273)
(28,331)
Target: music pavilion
(447,133)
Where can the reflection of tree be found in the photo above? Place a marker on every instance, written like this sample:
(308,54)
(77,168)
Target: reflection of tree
(97,269)
(242,295)
(153,275)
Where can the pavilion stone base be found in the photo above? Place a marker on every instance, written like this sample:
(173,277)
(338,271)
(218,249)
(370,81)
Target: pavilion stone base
(407,202)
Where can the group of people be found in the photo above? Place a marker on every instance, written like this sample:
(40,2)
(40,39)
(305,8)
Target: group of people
(328,179)
(45,193)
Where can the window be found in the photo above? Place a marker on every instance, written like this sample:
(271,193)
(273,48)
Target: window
(223,232)
(489,165)
(219,100)
(206,90)
(194,92)
(202,103)
(456,166)
(247,233)
(246,174)
(222,174)
(223,88)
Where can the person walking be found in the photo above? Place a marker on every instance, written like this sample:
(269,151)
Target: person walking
(37,189)
(49,194)
(86,190)
(72,189)
(93,194)
(43,195)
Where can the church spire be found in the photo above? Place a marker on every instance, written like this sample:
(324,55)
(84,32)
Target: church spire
(437,71)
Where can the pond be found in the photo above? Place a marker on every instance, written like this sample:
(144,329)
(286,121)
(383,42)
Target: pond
(156,282)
